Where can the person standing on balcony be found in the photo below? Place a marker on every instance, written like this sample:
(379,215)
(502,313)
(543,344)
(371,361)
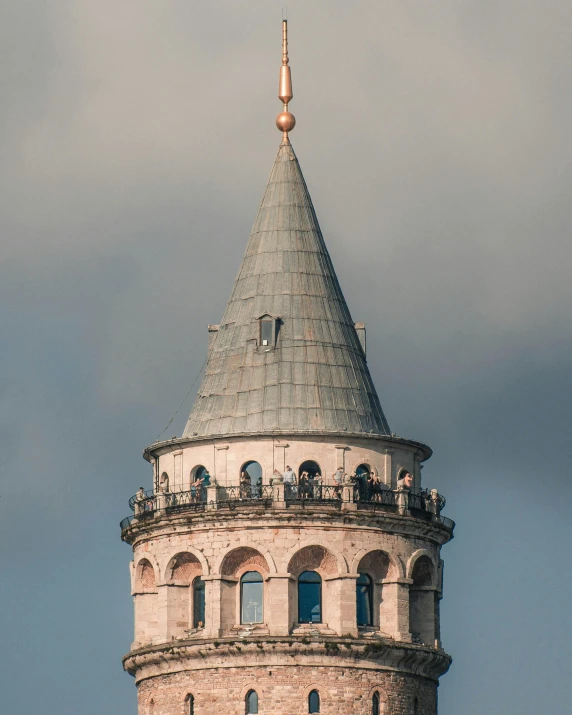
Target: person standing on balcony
(405,481)
(289,477)
(244,485)
(139,499)
(304,485)
(338,481)
(196,488)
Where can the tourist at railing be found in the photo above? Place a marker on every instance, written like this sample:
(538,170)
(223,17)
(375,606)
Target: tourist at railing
(405,481)
(140,501)
(289,477)
(196,488)
(317,486)
(374,487)
(338,478)
(304,485)
(244,485)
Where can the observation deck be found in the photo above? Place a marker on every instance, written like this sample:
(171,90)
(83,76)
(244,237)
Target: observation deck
(414,504)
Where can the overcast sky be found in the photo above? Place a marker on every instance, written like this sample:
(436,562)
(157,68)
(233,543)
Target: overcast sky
(136,138)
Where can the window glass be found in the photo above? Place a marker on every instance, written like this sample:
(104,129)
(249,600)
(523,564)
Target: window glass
(251,598)
(375,704)
(198,603)
(309,597)
(364,600)
(252,703)
(314,702)
(267,332)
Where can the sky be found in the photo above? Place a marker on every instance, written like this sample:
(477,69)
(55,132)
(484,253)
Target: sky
(136,138)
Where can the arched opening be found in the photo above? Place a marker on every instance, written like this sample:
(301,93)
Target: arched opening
(309,480)
(416,706)
(309,597)
(362,473)
(146,575)
(314,702)
(364,600)
(311,467)
(200,474)
(198,603)
(251,598)
(250,480)
(182,572)
(375,704)
(251,703)
(422,600)
(190,708)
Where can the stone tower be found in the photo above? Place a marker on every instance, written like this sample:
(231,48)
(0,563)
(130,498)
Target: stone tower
(287,559)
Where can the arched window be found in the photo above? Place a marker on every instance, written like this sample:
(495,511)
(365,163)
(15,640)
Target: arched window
(314,702)
(251,702)
(364,600)
(311,467)
(309,597)
(190,709)
(198,603)
(375,704)
(251,599)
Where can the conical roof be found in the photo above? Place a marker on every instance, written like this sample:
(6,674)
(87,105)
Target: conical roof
(316,377)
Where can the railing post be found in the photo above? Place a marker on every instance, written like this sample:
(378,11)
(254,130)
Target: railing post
(278,494)
(348,497)
(161,501)
(403,501)
(212,496)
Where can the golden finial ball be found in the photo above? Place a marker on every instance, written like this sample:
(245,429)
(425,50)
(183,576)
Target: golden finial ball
(286,121)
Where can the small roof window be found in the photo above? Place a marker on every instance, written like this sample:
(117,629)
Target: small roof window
(267,331)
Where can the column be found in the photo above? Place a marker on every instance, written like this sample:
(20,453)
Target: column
(387,468)
(277,615)
(339,604)
(221,451)
(280,456)
(212,607)
(394,608)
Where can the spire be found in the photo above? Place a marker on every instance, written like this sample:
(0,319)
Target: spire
(285,121)
(309,373)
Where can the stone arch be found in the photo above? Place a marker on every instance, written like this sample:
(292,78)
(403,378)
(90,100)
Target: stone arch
(145,575)
(183,566)
(247,688)
(241,555)
(394,566)
(415,556)
(192,552)
(315,686)
(365,463)
(383,699)
(313,461)
(338,557)
(313,558)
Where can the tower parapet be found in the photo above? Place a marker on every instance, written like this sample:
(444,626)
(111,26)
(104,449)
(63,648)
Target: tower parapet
(287,558)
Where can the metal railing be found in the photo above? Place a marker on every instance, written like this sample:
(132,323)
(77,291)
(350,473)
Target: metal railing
(306,494)
(422,504)
(231,497)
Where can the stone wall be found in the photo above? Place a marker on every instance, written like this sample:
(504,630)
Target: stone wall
(404,570)
(284,690)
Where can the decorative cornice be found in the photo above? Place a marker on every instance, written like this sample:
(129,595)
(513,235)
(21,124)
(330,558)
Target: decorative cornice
(230,652)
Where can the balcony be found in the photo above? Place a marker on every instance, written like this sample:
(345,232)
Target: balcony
(421,504)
